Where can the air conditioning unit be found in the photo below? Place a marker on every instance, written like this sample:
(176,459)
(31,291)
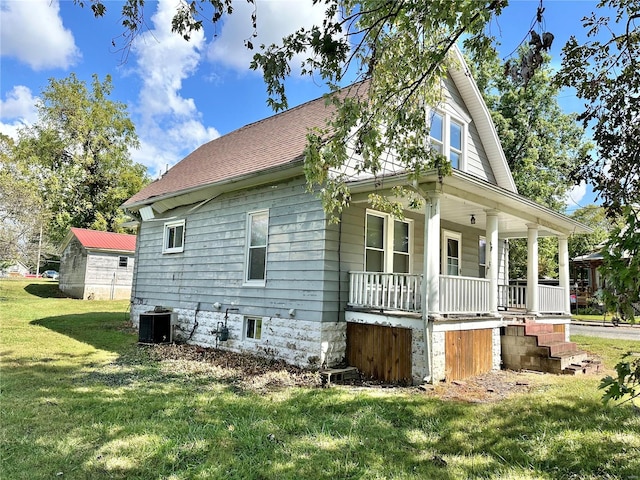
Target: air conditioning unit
(156,327)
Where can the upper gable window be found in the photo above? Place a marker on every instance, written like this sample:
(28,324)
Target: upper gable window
(447,137)
(173,237)
(257,234)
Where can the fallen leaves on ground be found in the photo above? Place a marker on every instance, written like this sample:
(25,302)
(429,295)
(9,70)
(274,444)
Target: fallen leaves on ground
(262,374)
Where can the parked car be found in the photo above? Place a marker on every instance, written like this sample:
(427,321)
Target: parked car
(50,274)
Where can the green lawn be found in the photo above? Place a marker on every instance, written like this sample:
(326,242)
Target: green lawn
(80,400)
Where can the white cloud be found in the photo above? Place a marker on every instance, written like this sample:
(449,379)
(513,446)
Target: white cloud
(32,31)
(18,110)
(276,19)
(170,126)
(575,195)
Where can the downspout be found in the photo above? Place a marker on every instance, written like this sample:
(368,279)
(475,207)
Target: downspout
(427,325)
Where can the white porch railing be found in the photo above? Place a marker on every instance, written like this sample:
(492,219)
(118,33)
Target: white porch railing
(551,299)
(385,291)
(466,295)
(463,294)
(512,296)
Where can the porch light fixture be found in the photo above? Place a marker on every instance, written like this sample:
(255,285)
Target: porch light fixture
(473,219)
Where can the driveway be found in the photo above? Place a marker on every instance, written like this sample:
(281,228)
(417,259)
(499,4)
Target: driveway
(624,332)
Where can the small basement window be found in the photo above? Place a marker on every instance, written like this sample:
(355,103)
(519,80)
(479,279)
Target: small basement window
(123,262)
(253,327)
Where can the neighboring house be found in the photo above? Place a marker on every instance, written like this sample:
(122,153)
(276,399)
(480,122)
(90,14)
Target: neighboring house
(15,270)
(97,265)
(230,236)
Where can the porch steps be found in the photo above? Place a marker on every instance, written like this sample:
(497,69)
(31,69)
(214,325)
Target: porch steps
(530,345)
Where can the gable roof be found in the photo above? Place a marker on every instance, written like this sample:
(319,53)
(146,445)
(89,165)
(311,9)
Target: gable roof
(96,240)
(277,143)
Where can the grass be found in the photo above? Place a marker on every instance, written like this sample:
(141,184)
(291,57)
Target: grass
(80,400)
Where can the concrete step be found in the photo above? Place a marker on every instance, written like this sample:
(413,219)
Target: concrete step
(585,367)
(550,338)
(563,360)
(532,328)
(561,348)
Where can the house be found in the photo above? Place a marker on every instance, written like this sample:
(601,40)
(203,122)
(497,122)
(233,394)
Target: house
(233,243)
(16,269)
(97,265)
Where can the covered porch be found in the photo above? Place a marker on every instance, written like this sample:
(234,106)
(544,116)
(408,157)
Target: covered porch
(431,292)
(453,260)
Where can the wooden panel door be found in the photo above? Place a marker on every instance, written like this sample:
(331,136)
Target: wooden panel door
(468,353)
(380,352)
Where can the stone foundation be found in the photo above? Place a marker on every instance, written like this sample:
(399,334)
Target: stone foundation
(296,341)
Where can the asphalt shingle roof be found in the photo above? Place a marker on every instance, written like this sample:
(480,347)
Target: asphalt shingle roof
(268,143)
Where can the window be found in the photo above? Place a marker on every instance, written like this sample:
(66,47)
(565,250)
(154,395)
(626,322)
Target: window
(447,137)
(173,237)
(253,328)
(482,257)
(123,262)
(451,250)
(257,233)
(387,250)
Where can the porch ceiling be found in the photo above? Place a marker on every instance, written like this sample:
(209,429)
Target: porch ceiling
(463,195)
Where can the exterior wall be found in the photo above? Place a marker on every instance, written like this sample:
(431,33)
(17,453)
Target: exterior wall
(299,342)
(105,279)
(73,266)
(476,158)
(301,275)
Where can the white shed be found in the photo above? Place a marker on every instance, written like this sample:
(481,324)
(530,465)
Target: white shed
(97,265)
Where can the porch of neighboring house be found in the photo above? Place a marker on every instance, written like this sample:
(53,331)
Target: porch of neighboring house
(410,327)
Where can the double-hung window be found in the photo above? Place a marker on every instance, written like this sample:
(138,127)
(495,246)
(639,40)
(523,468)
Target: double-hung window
(388,243)
(173,237)
(257,235)
(447,137)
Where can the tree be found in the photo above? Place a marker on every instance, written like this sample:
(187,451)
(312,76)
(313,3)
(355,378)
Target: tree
(594,216)
(22,212)
(604,72)
(542,144)
(78,155)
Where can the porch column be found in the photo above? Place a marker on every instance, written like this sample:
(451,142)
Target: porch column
(533,306)
(563,264)
(432,276)
(492,260)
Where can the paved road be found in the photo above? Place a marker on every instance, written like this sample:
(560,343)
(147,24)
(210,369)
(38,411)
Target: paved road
(608,331)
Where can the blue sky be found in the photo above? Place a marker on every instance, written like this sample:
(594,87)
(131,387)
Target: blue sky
(183,94)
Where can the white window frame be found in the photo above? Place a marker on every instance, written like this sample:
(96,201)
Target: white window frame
(249,247)
(258,323)
(123,260)
(167,228)
(446,235)
(445,143)
(388,247)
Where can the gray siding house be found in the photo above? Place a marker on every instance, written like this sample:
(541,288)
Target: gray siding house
(231,241)
(97,265)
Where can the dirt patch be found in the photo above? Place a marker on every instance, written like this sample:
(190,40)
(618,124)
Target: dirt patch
(489,387)
(259,374)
